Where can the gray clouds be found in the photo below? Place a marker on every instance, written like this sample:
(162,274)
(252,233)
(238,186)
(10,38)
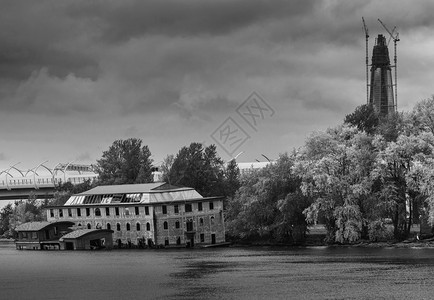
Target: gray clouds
(111,68)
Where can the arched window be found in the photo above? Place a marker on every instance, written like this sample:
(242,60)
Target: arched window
(118,227)
(165,225)
(97,212)
(138,226)
(109,227)
(201,221)
(212,220)
(98,226)
(128,227)
(88,226)
(148,226)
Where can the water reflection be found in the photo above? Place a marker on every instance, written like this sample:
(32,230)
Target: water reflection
(232,273)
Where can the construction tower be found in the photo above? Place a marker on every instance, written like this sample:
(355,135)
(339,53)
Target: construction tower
(381,85)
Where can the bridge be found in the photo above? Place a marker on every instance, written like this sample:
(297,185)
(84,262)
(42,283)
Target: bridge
(41,181)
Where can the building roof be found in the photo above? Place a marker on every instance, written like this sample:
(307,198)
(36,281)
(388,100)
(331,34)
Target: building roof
(133,194)
(79,233)
(132,188)
(36,226)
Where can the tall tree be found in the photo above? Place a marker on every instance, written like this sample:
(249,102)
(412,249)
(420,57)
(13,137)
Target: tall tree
(397,166)
(5,214)
(125,162)
(269,204)
(200,168)
(335,166)
(231,178)
(364,118)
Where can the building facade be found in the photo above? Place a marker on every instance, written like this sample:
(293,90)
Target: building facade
(146,214)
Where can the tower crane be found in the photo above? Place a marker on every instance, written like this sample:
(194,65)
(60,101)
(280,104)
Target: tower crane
(365,28)
(395,40)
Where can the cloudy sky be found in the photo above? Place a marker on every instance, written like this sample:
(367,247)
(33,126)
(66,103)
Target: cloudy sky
(77,75)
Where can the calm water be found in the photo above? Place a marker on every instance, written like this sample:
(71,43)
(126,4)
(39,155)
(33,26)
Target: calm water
(229,273)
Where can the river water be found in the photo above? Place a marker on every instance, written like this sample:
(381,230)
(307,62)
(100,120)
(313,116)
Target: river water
(225,273)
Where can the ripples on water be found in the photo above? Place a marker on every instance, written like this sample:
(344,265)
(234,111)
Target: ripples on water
(230,273)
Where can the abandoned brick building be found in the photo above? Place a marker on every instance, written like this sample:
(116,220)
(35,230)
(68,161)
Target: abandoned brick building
(147,214)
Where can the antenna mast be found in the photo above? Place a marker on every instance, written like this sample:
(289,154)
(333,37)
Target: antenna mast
(395,40)
(365,28)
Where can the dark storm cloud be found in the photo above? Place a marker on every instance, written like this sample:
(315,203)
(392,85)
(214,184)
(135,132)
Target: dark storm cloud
(122,20)
(34,35)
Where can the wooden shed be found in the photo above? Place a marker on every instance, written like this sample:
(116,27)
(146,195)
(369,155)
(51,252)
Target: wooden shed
(41,235)
(87,239)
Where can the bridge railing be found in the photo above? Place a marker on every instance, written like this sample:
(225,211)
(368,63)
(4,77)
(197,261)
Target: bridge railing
(42,182)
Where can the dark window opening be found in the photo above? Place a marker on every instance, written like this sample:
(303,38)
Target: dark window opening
(176,208)
(148,226)
(164,207)
(87,211)
(117,211)
(78,212)
(188,207)
(107,211)
(211,205)
(60,213)
(136,210)
(118,227)
(128,226)
(202,238)
(165,225)
(199,206)
(190,225)
(52,213)
(178,240)
(97,212)
(138,226)
(166,242)
(109,227)
(89,226)
(177,224)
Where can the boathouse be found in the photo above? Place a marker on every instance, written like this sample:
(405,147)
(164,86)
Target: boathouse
(87,239)
(41,235)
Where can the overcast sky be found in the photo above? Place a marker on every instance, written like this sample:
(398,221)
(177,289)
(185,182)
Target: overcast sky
(77,75)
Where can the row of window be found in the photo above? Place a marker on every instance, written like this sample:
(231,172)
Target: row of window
(178,239)
(189,223)
(188,207)
(118,226)
(97,212)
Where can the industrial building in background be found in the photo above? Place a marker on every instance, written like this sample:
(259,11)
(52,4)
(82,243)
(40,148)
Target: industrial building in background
(381,87)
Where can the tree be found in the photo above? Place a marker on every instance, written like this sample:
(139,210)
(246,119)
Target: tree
(199,168)
(269,205)
(5,214)
(398,166)
(364,118)
(231,179)
(125,162)
(423,115)
(335,167)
